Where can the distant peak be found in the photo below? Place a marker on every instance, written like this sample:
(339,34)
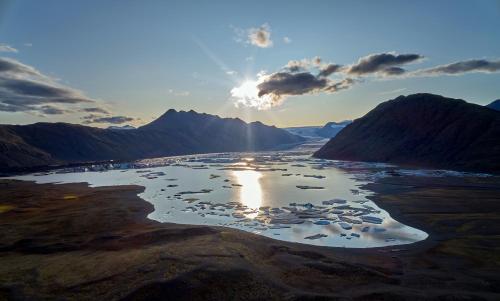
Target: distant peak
(495,105)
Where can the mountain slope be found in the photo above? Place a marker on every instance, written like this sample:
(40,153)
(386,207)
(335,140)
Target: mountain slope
(331,129)
(422,130)
(495,105)
(304,131)
(174,133)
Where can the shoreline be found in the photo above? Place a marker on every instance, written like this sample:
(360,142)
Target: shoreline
(196,262)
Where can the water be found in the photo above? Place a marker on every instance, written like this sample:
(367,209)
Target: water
(286,196)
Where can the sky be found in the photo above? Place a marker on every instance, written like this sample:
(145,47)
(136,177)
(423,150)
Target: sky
(285,63)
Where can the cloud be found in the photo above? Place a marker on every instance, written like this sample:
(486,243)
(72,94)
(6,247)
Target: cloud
(458,68)
(304,64)
(329,70)
(179,93)
(261,36)
(297,76)
(25,89)
(287,40)
(384,63)
(50,110)
(12,66)
(392,91)
(271,90)
(90,119)
(7,48)
(283,83)
(95,110)
(341,85)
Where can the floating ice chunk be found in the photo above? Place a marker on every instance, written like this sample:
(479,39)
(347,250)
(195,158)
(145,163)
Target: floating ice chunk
(322,223)
(309,187)
(345,226)
(317,236)
(349,220)
(314,176)
(371,219)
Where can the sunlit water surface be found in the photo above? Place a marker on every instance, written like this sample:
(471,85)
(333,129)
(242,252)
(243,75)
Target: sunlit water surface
(283,195)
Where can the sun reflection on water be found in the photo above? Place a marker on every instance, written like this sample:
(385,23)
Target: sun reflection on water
(251,190)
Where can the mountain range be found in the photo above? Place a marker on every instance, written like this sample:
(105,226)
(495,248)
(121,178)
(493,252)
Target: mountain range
(329,130)
(173,133)
(423,130)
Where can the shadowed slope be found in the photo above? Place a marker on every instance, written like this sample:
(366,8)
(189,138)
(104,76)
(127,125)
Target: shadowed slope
(422,130)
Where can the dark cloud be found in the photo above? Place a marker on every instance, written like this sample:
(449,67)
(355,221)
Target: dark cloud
(25,89)
(89,119)
(329,70)
(13,108)
(13,66)
(385,63)
(50,110)
(94,110)
(394,71)
(283,83)
(341,85)
(463,67)
(45,91)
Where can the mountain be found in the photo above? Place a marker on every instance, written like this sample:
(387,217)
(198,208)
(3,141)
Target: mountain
(331,129)
(304,131)
(495,105)
(422,130)
(174,133)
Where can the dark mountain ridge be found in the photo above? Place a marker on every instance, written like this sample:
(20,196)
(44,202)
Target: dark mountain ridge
(331,129)
(495,105)
(423,130)
(174,133)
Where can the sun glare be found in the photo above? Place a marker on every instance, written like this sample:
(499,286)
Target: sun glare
(247,94)
(251,190)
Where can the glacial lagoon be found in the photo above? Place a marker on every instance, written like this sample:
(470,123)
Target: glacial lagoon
(286,195)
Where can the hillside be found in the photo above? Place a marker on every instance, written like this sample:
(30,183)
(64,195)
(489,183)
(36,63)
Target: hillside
(422,130)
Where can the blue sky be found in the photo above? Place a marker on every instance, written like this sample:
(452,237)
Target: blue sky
(140,58)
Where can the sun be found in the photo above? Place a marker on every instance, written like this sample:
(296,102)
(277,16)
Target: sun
(246,91)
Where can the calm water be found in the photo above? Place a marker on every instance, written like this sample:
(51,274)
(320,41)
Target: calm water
(287,196)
